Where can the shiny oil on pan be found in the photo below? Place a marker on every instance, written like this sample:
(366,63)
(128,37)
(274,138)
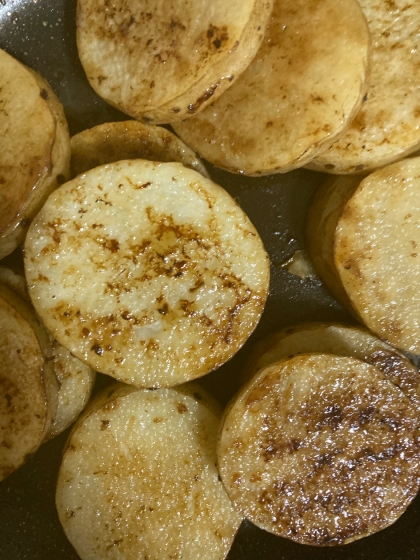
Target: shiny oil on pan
(41,33)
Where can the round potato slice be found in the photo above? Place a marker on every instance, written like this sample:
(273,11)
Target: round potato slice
(301,90)
(27,403)
(139,479)
(160,61)
(146,271)
(115,141)
(321,449)
(376,245)
(340,340)
(387,126)
(36,156)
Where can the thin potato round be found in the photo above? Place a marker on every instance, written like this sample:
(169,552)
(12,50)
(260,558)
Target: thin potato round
(160,61)
(376,253)
(301,90)
(36,156)
(139,479)
(321,449)
(387,127)
(146,271)
(340,340)
(115,141)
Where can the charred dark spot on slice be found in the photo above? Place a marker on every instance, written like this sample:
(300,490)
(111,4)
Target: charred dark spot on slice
(97,349)
(143,186)
(329,166)
(105,424)
(164,309)
(181,407)
(193,107)
(44,94)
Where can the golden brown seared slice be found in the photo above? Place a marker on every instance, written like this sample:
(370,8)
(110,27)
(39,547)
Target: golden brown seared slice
(139,479)
(159,61)
(115,141)
(387,126)
(146,271)
(36,156)
(28,391)
(321,449)
(340,340)
(301,90)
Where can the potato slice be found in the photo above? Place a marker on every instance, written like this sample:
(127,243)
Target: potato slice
(115,141)
(340,340)
(321,449)
(27,388)
(139,479)
(301,90)
(387,126)
(161,61)
(36,156)
(146,271)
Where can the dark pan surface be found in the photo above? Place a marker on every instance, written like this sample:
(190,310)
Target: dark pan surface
(41,33)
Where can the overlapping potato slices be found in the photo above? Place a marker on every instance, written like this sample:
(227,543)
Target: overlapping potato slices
(374,238)
(28,388)
(75,379)
(340,340)
(304,86)
(36,156)
(116,141)
(139,478)
(321,449)
(146,271)
(387,126)
(160,61)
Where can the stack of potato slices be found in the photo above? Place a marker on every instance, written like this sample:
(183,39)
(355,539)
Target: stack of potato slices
(35,159)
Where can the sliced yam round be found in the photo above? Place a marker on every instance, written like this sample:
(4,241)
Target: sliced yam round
(376,253)
(302,89)
(26,384)
(339,340)
(139,479)
(146,271)
(387,127)
(161,61)
(321,449)
(36,156)
(115,141)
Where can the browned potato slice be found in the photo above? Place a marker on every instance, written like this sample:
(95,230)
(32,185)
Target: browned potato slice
(375,243)
(161,61)
(340,340)
(115,141)
(27,388)
(321,449)
(36,156)
(300,91)
(146,271)
(387,126)
(139,479)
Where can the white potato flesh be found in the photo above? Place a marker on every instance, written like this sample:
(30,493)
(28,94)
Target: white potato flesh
(321,449)
(160,60)
(37,151)
(146,271)
(302,89)
(387,126)
(115,141)
(25,414)
(376,253)
(340,340)
(139,480)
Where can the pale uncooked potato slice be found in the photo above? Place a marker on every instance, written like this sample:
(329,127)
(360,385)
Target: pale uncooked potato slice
(36,156)
(340,340)
(300,91)
(27,403)
(160,61)
(139,479)
(146,271)
(321,449)
(376,253)
(115,141)
(387,126)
